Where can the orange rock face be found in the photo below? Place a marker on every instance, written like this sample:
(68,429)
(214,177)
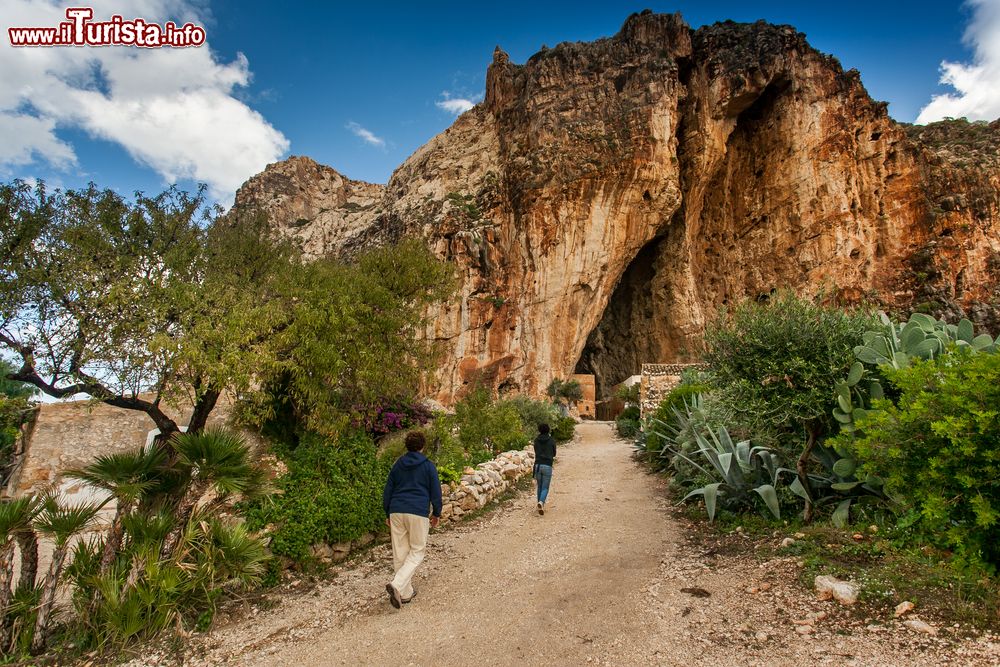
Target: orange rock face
(607,199)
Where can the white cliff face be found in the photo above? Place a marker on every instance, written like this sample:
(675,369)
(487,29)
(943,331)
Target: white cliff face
(606,199)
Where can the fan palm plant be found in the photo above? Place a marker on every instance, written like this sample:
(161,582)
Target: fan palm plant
(214,459)
(61,522)
(127,476)
(15,520)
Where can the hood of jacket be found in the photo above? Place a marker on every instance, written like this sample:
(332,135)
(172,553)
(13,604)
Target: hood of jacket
(412,459)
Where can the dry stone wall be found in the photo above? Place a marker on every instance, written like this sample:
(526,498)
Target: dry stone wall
(477,487)
(657,381)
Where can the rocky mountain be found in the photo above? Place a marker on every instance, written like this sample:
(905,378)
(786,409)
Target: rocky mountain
(606,199)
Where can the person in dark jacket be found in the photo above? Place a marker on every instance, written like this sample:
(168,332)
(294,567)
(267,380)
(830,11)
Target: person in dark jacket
(411,492)
(545,454)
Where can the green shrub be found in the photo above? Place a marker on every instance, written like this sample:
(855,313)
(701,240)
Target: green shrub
(564,429)
(627,428)
(631,412)
(774,365)
(486,428)
(532,413)
(331,493)
(936,450)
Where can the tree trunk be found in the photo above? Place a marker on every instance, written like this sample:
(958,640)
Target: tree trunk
(182,513)
(113,542)
(48,599)
(27,543)
(202,409)
(6,575)
(801,467)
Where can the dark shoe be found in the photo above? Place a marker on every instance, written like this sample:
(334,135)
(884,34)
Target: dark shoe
(394,598)
(410,599)
(541,508)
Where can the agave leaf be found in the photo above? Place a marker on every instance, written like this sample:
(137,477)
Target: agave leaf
(710,492)
(726,461)
(797,488)
(767,492)
(844,467)
(842,513)
(854,376)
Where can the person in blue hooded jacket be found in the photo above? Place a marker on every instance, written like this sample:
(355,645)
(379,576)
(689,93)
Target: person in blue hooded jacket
(411,494)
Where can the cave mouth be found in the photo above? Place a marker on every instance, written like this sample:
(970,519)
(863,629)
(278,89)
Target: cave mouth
(621,342)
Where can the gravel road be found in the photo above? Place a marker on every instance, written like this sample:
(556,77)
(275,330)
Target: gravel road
(606,577)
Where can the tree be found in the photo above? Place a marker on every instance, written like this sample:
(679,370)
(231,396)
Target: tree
(776,364)
(563,392)
(140,304)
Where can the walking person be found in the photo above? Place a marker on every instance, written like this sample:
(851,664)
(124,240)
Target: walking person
(545,454)
(412,491)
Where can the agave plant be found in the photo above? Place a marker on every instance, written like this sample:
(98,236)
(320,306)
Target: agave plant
(740,468)
(126,477)
(838,484)
(61,523)
(213,459)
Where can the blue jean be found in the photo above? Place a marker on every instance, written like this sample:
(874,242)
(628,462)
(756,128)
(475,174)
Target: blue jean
(543,477)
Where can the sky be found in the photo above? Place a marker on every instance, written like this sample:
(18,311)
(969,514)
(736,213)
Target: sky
(360,86)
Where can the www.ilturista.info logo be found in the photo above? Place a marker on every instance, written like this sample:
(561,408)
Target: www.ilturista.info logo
(79,30)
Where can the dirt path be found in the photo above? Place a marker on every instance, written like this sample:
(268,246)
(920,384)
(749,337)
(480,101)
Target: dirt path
(598,580)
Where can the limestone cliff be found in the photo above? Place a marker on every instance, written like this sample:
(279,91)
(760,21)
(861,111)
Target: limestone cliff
(606,199)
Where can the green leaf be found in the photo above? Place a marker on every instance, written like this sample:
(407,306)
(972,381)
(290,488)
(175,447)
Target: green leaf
(844,404)
(767,492)
(901,360)
(869,356)
(842,514)
(710,492)
(981,342)
(797,488)
(927,349)
(844,467)
(875,391)
(844,486)
(926,322)
(841,416)
(911,336)
(854,376)
(858,414)
(965,331)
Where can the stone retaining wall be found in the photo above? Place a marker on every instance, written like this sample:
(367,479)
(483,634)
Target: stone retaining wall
(477,487)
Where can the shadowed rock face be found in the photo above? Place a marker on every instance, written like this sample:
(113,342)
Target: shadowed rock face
(607,198)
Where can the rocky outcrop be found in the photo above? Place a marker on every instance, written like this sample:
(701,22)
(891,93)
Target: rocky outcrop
(311,203)
(607,199)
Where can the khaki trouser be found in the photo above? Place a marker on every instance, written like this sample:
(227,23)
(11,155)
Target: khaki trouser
(409,542)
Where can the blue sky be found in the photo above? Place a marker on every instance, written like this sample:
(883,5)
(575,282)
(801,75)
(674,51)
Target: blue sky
(316,78)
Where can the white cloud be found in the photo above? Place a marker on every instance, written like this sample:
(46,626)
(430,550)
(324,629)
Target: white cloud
(367,136)
(454,105)
(977,84)
(174,110)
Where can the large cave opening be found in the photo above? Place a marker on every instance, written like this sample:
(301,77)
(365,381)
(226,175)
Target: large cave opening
(622,340)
